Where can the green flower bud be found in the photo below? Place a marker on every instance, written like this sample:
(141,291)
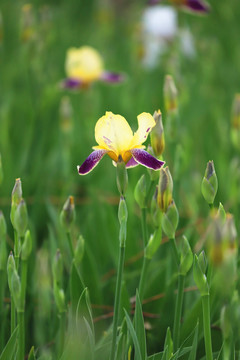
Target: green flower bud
(16,198)
(3,255)
(170,94)
(140,192)
(170,220)
(16,289)
(210,183)
(153,243)
(57,267)
(67,215)
(186,257)
(21,218)
(221,213)
(200,278)
(122,217)
(59,297)
(235,122)
(202,262)
(3,247)
(79,250)
(157,134)
(165,189)
(122,176)
(17,192)
(3,226)
(1,170)
(26,246)
(10,268)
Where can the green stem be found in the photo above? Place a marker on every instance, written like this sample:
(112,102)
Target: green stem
(21,344)
(117,299)
(24,268)
(70,244)
(178,312)
(206,327)
(2,286)
(174,250)
(62,326)
(144,225)
(142,281)
(13,315)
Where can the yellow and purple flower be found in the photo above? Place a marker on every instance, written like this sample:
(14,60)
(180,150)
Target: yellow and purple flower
(85,65)
(116,139)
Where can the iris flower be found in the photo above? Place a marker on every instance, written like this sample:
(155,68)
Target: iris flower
(195,6)
(85,65)
(116,139)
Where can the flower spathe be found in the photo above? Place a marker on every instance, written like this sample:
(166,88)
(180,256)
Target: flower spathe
(115,138)
(85,65)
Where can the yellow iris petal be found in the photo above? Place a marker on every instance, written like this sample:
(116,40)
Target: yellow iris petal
(112,132)
(145,123)
(84,63)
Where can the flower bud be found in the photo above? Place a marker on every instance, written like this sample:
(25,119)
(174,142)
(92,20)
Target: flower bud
(79,250)
(122,176)
(210,183)
(235,123)
(67,215)
(165,189)
(186,257)
(3,247)
(202,261)
(157,134)
(16,198)
(3,226)
(170,220)
(170,94)
(200,278)
(10,268)
(57,267)
(140,192)
(153,243)
(1,170)
(221,213)
(16,289)
(59,297)
(21,218)
(17,191)
(26,246)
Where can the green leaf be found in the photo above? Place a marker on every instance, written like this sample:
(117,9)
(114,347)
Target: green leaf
(76,288)
(157,356)
(168,344)
(31,355)
(121,352)
(139,328)
(134,337)
(84,309)
(192,355)
(90,343)
(10,347)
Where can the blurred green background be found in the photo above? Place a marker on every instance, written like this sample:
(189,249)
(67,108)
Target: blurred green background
(35,146)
